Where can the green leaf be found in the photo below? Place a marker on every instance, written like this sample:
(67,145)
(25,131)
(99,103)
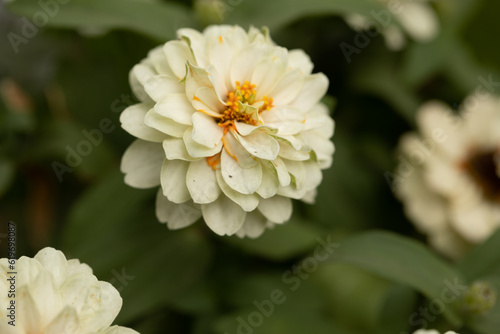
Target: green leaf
(282,242)
(154,19)
(482,260)
(404,261)
(113,229)
(278,13)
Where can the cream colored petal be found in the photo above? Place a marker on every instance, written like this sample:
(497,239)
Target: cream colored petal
(141,164)
(243,180)
(133,121)
(223,216)
(173,180)
(202,182)
(176,216)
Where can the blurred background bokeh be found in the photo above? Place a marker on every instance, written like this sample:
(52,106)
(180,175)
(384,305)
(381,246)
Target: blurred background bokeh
(64,79)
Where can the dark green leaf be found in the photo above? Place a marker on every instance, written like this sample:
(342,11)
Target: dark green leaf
(155,19)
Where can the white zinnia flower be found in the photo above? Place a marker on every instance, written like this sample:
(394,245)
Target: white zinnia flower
(231,127)
(431,331)
(57,296)
(448,178)
(417,18)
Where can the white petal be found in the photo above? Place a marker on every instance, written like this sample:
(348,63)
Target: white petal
(157,59)
(243,180)
(141,164)
(223,216)
(246,129)
(253,227)
(298,58)
(282,171)
(287,151)
(197,150)
(28,315)
(287,88)
(160,85)
(314,89)
(244,63)
(196,78)
(234,148)
(270,183)
(197,43)
(173,180)
(268,72)
(178,53)
(206,101)
(419,20)
(166,125)
(118,330)
(277,209)
(175,107)
(205,130)
(132,121)
(260,144)
(176,216)
(288,120)
(176,149)
(202,182)
(54,262)
(247,202)
(139,74)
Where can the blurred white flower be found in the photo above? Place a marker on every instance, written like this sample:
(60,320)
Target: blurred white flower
(448,179)
(431,331)
(230,125)
(57,296)
(416,17)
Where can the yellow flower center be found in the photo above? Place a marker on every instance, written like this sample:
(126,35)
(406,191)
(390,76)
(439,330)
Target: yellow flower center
(242,105)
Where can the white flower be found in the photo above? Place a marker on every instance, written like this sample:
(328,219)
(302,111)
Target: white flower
(57,296)
(230,125)
(431,331)
(448,176)
(416,17)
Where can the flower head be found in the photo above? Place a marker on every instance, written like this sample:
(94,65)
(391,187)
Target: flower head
(448,177)
(417,18)
(57,296)
(230,125)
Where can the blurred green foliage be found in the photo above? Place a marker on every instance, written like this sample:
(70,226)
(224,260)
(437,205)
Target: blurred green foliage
(61,82)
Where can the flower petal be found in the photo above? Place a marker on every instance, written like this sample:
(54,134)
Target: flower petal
(202,182)
(277,209)
(197,150)
(132,120)
(176,216)
(243,180)
(160,85)
(141,164)
(197,44)
(298,58)
(314,89)
(223,216)
(176,107)
(206,101)
(205,130)
(287,88)
(176,149)
(254,225)
(173,180)
(166,125)
(178,53)
(234,148)
(260,144)
(270,183)
(65,322)
(247,202)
